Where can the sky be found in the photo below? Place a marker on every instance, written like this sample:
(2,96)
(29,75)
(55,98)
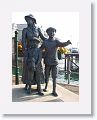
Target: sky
(66,23)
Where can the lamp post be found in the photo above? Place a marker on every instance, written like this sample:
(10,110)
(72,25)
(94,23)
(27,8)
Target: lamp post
(16,58)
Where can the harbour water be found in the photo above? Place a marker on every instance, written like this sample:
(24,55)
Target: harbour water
(62,76)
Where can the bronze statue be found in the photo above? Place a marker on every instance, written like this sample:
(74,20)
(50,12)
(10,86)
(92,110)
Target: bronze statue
(50,60)
(35,72)
(28,36)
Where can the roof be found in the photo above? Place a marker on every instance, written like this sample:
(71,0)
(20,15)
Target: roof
(21,26)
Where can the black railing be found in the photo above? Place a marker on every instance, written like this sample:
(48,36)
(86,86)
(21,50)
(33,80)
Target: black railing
(16,58)
(69,62)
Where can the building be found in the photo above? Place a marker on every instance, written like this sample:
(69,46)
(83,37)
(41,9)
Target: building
(19,28)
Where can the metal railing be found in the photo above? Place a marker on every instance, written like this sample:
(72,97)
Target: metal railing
(69,62)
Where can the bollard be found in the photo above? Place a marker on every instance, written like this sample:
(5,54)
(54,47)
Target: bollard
(16,58)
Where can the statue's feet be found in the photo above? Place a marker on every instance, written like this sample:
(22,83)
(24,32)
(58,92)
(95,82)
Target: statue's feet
(55,94)
(26,86)
(40,93)
(28,91)
(45,90)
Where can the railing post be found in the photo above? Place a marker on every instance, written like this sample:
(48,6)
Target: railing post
(68,68)
(65,64)
(16,58)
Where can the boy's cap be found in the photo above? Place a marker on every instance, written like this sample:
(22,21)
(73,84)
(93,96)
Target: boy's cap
(36,39)
(31,17)
(50,29)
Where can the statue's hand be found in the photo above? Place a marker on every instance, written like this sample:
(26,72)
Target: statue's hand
(69,42)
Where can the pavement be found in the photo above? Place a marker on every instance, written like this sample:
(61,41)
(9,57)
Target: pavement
(64,95)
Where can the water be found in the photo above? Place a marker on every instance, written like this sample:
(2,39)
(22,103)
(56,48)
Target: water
(62,77)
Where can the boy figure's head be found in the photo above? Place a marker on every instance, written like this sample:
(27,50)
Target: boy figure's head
(36,42)
(51,32)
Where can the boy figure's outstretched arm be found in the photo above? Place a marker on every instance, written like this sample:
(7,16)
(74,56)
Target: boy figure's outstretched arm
(63,44)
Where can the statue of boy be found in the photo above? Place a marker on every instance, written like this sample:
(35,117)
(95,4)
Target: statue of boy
(50,60)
